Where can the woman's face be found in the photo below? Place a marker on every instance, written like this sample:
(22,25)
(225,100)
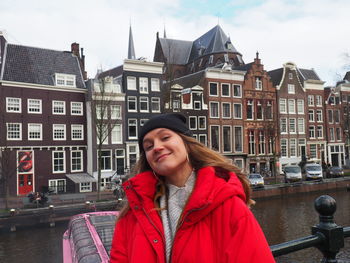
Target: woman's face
(166,152)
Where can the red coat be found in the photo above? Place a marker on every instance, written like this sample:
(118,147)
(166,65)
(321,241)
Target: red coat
(216,224)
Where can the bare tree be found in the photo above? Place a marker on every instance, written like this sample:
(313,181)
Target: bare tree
(103,93)
(6,173)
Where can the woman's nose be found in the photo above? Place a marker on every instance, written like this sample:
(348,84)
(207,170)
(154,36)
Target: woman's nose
(158,146)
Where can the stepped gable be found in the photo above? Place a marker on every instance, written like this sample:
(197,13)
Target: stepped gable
(38,65)
(176,51)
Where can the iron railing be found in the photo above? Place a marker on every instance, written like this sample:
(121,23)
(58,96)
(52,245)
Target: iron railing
(327,236)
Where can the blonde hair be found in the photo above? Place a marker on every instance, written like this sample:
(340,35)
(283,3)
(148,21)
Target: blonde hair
(199,156)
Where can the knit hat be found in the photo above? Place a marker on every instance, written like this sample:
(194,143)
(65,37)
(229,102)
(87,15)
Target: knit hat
(172,121)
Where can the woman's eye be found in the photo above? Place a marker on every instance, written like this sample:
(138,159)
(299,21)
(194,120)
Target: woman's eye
(165,138)
(148,147)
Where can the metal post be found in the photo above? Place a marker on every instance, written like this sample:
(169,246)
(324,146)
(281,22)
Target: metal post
(332,233)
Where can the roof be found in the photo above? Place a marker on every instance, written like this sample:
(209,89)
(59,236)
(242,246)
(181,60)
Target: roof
(276,76)
(244,67)
(176,51)
(81,178)
(114,72)
(38,65)
(191,80)
(307,74)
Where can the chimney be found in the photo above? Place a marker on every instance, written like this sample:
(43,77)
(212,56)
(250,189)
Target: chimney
(75,49)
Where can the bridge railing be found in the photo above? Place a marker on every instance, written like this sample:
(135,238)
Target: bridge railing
(327,236)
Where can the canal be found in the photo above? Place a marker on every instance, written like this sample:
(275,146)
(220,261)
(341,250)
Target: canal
(282,219)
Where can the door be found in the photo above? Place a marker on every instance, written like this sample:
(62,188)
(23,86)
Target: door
(335,159)
(25,184)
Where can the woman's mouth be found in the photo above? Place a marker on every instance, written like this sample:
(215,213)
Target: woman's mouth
(162,157)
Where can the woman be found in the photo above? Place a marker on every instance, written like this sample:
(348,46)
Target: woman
(186,204)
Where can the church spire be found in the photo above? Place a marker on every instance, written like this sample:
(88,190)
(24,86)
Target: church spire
(131,50)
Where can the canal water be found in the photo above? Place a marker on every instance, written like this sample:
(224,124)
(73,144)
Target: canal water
(281,219)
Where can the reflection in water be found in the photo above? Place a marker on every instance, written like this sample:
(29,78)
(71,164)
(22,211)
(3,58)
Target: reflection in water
(284,219)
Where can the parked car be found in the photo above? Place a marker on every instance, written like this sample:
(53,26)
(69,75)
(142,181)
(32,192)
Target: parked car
(292,173)
(313,171)
(256,180)
(334,171)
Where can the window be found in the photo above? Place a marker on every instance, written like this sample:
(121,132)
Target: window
(155,85)
(293,147)
(85,187)
(238,139)
(336,116)
(202,123)
(239,163)
(120,156)
(58,162)
(284,151)
(35,131)
(58,107)
(59,132)
(227,138)
(14,131)
(34,106)
(237,111)
(330,116)
(291,89)
(202,139)
(13,105)
(76,161)
(214,134)
(225,90)
(65,80)
(237,91)
(311,115)
(176,105)
(283,126)
(331,100)
(132,103)
(319,117)
(214,109)
(259,110)
(117,134)
(310,100)
(300,106)
(318,100)
(261,138)
(116,112)
(331,134)
(320,132)
(143,85)
(77,132)
(290,75)
(101,112)
(313,151)
(76,108)
(291,106)
(312,131)
(211,58)
(131,83)
(193,122)
(251,142)
(197,105)
(106,160)
(258,83)
(338,134)
(301,125)
(292,128)
(57,186)
(226,110)
(269,111)
(144,104)
(132,127)
(344,98)
(283,106)
(250,109)
(213,89)
(155,104)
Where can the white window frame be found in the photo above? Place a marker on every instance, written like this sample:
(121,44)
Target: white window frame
(53,183)
(311,113)
(318,100)
(131,83)
(34,108)
(235,112)
(261,143)
(65,80)
(19,125)
(110,157)
(241,140)
(229,90)
(205,123)
(292,126)
(259,105)
(319,132)
(283,123)
(116,112)
(229,110)
(301,126)
(223,138)
(204,136)
(250,103)
(283,104)
(258,83)
(300,106)
(85,187)
(331,134)
(286,147)
(330,120)
(195,122)
(30,127)
(53,162)
(155,100)
(319,115)
(76,108)
(133,120)
(62,106)
(54,128)
(143,85)
(219,139)
(81,161)
(312,132)
(217,89)
(291,89)
(239,88)
(293,147)
(155,84)
(12,104)
(133,99)
(116,139)
(210,109)
(77,127)
(144,100)
(310,100)
(291,106)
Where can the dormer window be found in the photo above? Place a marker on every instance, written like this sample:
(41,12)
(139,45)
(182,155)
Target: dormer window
(66,80)
(211,58)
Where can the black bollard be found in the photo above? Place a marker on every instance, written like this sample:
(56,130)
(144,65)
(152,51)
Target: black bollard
(333,236)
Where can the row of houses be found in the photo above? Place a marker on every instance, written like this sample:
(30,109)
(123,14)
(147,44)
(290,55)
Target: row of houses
(59,128)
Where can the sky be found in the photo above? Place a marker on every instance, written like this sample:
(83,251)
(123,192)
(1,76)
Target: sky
(313,33)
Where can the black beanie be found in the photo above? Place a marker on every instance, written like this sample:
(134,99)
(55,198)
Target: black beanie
(172,121)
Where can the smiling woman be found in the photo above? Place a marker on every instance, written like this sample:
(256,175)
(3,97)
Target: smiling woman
(186,203)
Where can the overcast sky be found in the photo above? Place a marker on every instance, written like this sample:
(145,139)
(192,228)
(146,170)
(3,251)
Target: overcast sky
(313,33)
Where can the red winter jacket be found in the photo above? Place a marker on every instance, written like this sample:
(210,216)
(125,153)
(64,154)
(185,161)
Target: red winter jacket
(215,226)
